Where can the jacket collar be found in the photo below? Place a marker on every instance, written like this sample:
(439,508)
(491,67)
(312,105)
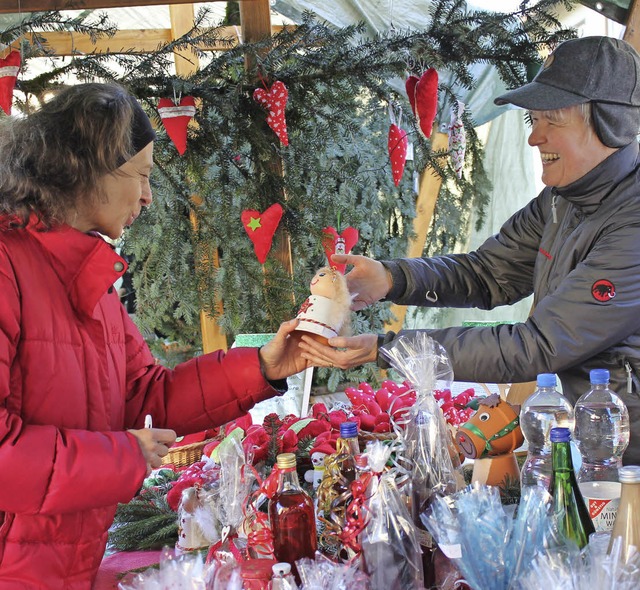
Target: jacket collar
(589,191)
(85,263)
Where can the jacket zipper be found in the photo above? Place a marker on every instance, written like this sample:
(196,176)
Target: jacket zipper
(554,200)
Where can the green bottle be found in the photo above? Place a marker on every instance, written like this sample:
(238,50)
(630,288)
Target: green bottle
(570,513)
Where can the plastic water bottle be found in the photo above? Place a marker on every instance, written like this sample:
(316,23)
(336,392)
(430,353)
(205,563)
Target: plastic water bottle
(545,409)
(602,435)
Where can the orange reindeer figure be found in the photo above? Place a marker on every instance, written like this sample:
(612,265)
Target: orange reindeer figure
(490,437)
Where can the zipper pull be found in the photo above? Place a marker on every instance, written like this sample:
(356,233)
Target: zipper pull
(627,368)
(554,200)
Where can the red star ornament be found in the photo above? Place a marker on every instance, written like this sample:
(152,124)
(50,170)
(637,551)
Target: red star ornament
(334,243)
(397,144)
(175,119)
(275,101)
(261,227)
(423,97)
(9,67)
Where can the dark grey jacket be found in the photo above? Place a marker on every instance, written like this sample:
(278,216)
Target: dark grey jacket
(578,250)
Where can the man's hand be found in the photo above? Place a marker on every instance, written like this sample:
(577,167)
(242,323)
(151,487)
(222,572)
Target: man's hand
(340,352)
(368,280)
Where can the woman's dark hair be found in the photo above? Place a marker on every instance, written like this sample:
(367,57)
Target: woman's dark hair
(53,159)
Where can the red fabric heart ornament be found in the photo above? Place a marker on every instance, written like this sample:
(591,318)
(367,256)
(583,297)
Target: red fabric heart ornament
(9,67)
(261,227)
(423,96)
(343,243)
(275,101)
(427,101)
(410,86)
(397,145)
(175,119)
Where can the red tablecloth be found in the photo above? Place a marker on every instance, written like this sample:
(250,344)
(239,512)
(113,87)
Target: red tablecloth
(113,567)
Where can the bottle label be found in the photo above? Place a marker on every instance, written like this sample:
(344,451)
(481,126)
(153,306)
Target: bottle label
(602,499)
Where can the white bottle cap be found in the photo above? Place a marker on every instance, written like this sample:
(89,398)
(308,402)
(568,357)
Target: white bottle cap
(281,569)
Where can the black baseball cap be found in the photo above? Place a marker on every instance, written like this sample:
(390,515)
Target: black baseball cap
(581,70)
(601,70)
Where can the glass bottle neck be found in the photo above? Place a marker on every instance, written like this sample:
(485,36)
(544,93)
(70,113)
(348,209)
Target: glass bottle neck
(561,456)
(348,445)
(288,479)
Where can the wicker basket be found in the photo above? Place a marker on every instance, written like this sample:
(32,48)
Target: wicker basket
(185,454)
(364,437)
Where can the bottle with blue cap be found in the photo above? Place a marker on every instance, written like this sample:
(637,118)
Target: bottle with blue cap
(347,447)
(545,409)
(602,435)
(570,515)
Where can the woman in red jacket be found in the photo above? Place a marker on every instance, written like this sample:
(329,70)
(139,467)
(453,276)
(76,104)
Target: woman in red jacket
(76,377)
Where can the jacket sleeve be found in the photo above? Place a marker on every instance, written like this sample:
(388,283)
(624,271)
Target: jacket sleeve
(499,272)
(567,326)
(48,470)
(203,392)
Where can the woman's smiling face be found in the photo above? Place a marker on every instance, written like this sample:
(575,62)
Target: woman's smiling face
(568,145)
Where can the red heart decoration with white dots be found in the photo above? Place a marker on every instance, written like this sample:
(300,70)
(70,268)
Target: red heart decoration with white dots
(397,145)
(175,118)
(9,67)
(275,101)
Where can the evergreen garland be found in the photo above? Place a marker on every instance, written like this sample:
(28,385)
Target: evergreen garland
(336,166)
(146,522)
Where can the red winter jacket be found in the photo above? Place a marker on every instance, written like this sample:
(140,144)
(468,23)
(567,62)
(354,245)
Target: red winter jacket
(75,372)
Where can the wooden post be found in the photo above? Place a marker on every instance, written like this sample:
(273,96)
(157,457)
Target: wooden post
(430,184)
(187,63)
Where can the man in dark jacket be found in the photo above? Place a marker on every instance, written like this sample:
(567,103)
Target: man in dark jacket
(576,246)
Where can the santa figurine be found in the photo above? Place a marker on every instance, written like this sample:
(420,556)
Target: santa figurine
(317,454)
(327,311)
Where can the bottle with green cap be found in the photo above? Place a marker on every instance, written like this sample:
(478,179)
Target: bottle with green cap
(292,516)
(570,514)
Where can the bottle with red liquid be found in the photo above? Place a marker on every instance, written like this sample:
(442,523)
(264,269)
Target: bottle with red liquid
(292,517)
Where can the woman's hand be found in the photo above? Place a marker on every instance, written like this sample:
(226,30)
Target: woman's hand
(341,352)
(281,356)
(368,280)
(154,444)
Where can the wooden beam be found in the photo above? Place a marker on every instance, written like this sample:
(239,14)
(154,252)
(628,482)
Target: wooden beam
(632,31)
(430,184)
(21,6)
(255,19)
(187,63)
(133,40)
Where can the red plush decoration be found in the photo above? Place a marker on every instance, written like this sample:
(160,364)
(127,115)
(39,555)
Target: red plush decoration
(423,96)
(397,145)
(261,227)
(334,243)
(275,101)
(9,67)
(175,119)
